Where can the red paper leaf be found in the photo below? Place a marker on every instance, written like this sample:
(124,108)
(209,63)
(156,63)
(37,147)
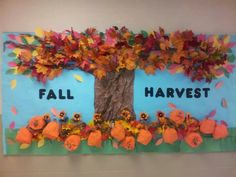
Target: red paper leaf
(12,36)
(115,145)
(159,142)
(10,141)
(219,84)
(13,110)
(172,106)
(224,123)
(18,39)
(54,111)
(224,103)
(173,68)
(10,46)
(230,68)
(212,113)
(12,125)
(12,64)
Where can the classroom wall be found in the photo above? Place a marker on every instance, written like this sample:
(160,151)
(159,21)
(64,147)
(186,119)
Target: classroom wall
(202,16)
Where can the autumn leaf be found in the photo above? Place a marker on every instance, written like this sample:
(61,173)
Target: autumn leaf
(41,143)
(13,84)
(78,77)
(54,73)
(12,125)
(224,103)
(17,51)
(41,69)
(115,144)
(172,106)
(39,32)
(159,142)
(54,111)
(150,69)
(219,84)
(130,64)
(13,110)
(24,146)
(177,41)
(29,39)
(11,64)
(26,55)
(212,113)
(18,39)
(99,73)
(10,141)
(11,36)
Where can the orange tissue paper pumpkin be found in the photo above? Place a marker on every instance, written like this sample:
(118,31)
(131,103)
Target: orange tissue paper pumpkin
(170,135)
(51,131)
(37,123)
(72,142)
(24,136)
(128,143)
(221,131)
(207,126)
(193,139)
(95,139)
(144,137)
(118,132)
(177,116)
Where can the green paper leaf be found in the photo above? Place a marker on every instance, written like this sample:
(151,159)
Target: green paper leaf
(10,71)
(26,72)
(12,55)
(230,50)
(24,40)
(144,33)
(231,58)
(17,61)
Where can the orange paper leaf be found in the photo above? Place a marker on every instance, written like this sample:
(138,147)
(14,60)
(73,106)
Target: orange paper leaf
(13,110)
(172,106)
(54,112)
(224,103)
(159,142)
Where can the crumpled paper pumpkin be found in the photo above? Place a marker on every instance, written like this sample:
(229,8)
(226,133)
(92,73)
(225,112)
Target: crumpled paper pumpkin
(193,139)
(37,123)
(72,142)
(207,126)
(144,137)
(170,136)
(128,143)
(24,136)
(95,138)
(177,116)
(51,131)
(221,131)
(118,132)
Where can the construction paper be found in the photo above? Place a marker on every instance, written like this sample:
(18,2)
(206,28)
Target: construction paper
(74,91)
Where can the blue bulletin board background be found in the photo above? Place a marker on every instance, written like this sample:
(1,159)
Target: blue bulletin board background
(25,97)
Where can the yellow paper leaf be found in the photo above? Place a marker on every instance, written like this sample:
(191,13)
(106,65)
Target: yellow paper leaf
(13,84)
(39,32)
(41,143)
(29,39)
(24,146)
(78,77)
(34,53)
(17,51)
(226,39)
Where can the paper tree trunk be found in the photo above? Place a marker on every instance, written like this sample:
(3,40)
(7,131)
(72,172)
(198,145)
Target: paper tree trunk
(114,93)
